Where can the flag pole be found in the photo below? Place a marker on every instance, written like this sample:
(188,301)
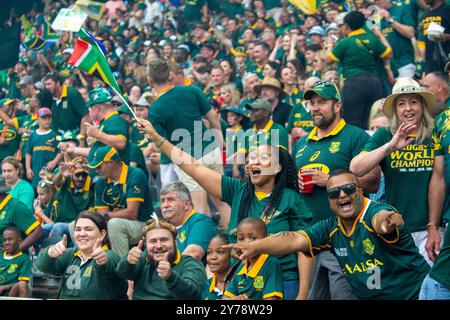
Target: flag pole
(125,102)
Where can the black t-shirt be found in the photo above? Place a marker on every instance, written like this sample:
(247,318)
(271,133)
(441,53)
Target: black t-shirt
(281,113)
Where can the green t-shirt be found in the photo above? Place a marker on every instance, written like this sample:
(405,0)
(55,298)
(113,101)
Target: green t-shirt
(441,140)
(294,99)
(137,157)
(197,229)
(14,268)
(407,173)
(331,152)
(72,201)
(440,269)
(27,121)
(24,192)
(273,134)
(401,46)
(15,213)
(263,280)
(177,115)
(359,53)
(51,211)
(43,148)
(67,112)
(12,140)
(112,124)
(291,215)
(300,118)
(232,138)
(193,10)
(185,282)
(134,136)
(84,281)
(387,267)
(210,291)
(131,187)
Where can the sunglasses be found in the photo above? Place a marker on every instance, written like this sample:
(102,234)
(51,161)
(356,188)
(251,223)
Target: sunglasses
(348,189)
(327,83)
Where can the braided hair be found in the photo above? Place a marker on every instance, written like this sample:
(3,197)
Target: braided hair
(286,178)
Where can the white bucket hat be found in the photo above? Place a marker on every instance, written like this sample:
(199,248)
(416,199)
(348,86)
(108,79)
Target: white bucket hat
(407,86)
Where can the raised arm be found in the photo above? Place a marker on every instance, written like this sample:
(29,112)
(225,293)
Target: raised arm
(281,244)
(208,179)
(385,222)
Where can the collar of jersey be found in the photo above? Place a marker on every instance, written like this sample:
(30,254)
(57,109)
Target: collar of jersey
(188,217)
(123,175)
(5,201)
(63,92)
(357,32)
(110,115)
(266,128)
(313,134)
(253,272)
(363,209)
(86,186)
(213,283)
(11,257)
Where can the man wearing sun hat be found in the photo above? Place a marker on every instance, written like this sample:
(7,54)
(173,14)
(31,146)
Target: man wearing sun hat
(122,196)
(330,145)
(270,90)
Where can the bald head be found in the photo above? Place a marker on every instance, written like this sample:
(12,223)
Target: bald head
(438,84)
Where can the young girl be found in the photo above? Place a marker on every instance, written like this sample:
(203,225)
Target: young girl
(260,277)
(46,210)
(218,259)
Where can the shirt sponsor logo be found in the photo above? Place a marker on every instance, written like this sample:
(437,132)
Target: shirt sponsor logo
(318,166)
(363,266)
(183,236)
(12,268)
(368,246)
(315,156)
(2,215)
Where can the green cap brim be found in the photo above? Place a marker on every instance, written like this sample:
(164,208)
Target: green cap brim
(94,164)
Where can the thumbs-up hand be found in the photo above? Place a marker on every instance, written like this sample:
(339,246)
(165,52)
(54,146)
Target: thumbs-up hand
(164,269)
(98,254)
(58,249)
(135,253)
(92,130)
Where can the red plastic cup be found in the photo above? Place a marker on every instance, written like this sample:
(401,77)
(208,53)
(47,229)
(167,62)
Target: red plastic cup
(308,188)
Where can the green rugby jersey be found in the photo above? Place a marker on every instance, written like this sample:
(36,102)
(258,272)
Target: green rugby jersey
(179,111)
(441,141)
(131,187)
(440,269)
(84,280)
(112,124)
(292,214)
(407,174)
(27,121)
(12,140)
(196,229)
(43,148)
(210,291)
(300,118)
(72,201)
(358,53)
(331,152)
(376,266)
(263,280)
(15,213)
(14,268)
(272,134)
(295,98)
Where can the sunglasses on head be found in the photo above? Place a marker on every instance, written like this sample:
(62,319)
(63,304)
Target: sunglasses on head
(348,189)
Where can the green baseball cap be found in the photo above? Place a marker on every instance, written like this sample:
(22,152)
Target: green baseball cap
(325,89)
(260,104)
(6,101)
(68,136)
(104,154)
(98,95)
(125,110)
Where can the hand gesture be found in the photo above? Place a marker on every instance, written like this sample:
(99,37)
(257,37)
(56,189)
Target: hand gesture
(319,178)
(433,244)
(244,249)
(146,128)
(30,174)
(390,222)
(401,138)
(92,130)
(135,253)
(98,254)
(58,249)
(65,169)
(164,268)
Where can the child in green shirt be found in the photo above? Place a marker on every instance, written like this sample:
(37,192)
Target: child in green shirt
(15,266)
(260,277)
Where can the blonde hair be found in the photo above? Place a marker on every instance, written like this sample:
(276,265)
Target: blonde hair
(235,94)
(376,111)
(426,123)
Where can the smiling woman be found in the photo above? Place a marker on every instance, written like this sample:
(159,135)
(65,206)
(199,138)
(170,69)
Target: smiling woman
(270,193)
(405,153)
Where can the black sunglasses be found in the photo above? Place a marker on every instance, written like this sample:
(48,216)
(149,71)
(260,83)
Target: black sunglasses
(348,189)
